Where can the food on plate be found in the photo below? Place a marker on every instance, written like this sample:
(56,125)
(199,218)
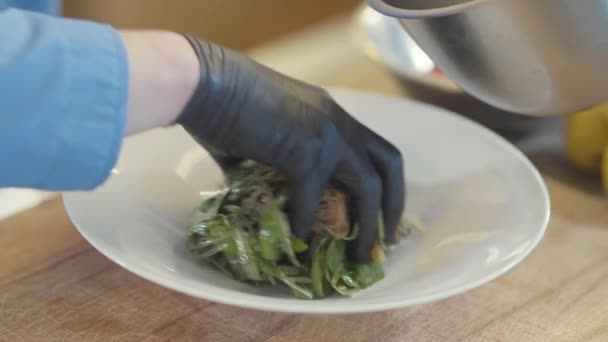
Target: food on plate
(243,231)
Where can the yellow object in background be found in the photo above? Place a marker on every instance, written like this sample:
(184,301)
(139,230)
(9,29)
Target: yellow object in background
(587,138)
(605,169)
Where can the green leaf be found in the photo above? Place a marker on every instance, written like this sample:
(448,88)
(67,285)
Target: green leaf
(236,267)
(245,255)
(381,231)
(222,265)
(317,268)
(232,208)
(230,247)
(218,248)
(336,256)
(298,245)
(367,274)
(297,290)
(336,271)
(267,270)
(199,230)
(275,222)
(302,280)
(219,226)
(349,281)
(210,206)
(268,244)
(289,270)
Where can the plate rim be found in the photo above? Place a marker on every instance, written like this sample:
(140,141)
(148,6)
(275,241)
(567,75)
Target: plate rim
(288,305)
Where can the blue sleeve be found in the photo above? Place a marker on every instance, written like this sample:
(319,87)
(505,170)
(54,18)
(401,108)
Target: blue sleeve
(52,7)
(63,97)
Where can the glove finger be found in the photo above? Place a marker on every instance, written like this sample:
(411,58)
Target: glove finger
(388,162)
(304,198)
(358,176)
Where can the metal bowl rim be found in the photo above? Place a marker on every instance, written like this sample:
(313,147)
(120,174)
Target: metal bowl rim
(384,8)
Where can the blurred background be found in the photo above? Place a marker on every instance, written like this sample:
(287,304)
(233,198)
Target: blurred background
(239,24)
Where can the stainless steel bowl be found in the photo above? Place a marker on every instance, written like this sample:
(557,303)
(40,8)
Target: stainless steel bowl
(384,41)
(537,57)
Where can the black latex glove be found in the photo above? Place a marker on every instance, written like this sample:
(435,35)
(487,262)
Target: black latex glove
(242,109)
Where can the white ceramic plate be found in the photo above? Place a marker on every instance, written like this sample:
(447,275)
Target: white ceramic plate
(483,203)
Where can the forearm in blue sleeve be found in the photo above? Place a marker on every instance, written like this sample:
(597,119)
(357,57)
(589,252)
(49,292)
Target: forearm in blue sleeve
(63,98)
(52,7)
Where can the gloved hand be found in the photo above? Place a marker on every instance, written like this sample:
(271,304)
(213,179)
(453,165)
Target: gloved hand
(242,109)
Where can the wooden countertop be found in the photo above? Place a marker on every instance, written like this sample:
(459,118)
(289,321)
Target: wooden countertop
(55,287)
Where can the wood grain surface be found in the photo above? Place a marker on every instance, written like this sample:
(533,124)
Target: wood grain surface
(54,287)
(239,24)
